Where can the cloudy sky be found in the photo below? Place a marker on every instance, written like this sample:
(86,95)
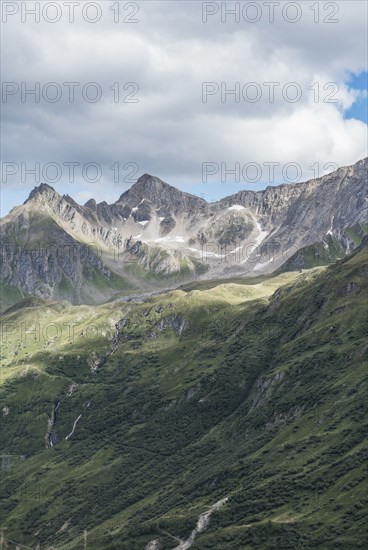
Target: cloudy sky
(126,88)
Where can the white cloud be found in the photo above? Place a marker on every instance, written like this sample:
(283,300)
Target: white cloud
(170,53)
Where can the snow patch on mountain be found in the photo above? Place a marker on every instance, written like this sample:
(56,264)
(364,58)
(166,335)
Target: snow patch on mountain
(169,239)
(236,207)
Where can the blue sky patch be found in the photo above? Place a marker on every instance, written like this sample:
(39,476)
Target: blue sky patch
(359,109)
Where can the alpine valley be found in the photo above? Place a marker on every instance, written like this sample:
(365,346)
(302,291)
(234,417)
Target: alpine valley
(181,374)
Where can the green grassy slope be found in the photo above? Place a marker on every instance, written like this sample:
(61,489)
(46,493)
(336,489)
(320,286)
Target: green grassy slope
(252,392)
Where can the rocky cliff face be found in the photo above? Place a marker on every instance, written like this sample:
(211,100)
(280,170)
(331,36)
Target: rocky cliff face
(39,257)
(154,232)
(298,215)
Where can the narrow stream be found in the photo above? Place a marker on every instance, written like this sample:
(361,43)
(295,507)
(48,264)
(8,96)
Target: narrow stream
(74,426)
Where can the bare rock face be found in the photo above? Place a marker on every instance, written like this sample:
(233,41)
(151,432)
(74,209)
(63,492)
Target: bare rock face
(301,214)
(174,321)
(43,191)
(162,195)
(38,257)
(54,247)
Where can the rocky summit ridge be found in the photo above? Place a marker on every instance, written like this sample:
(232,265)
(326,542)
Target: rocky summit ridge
(156,236)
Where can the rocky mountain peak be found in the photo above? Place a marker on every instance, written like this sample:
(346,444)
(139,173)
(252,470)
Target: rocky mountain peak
(148,179)
(146,187)
(161,194)
(91,203)
(42,190)
(150,187)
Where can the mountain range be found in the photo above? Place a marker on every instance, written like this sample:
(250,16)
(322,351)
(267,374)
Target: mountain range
(177,374)
(156,236)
